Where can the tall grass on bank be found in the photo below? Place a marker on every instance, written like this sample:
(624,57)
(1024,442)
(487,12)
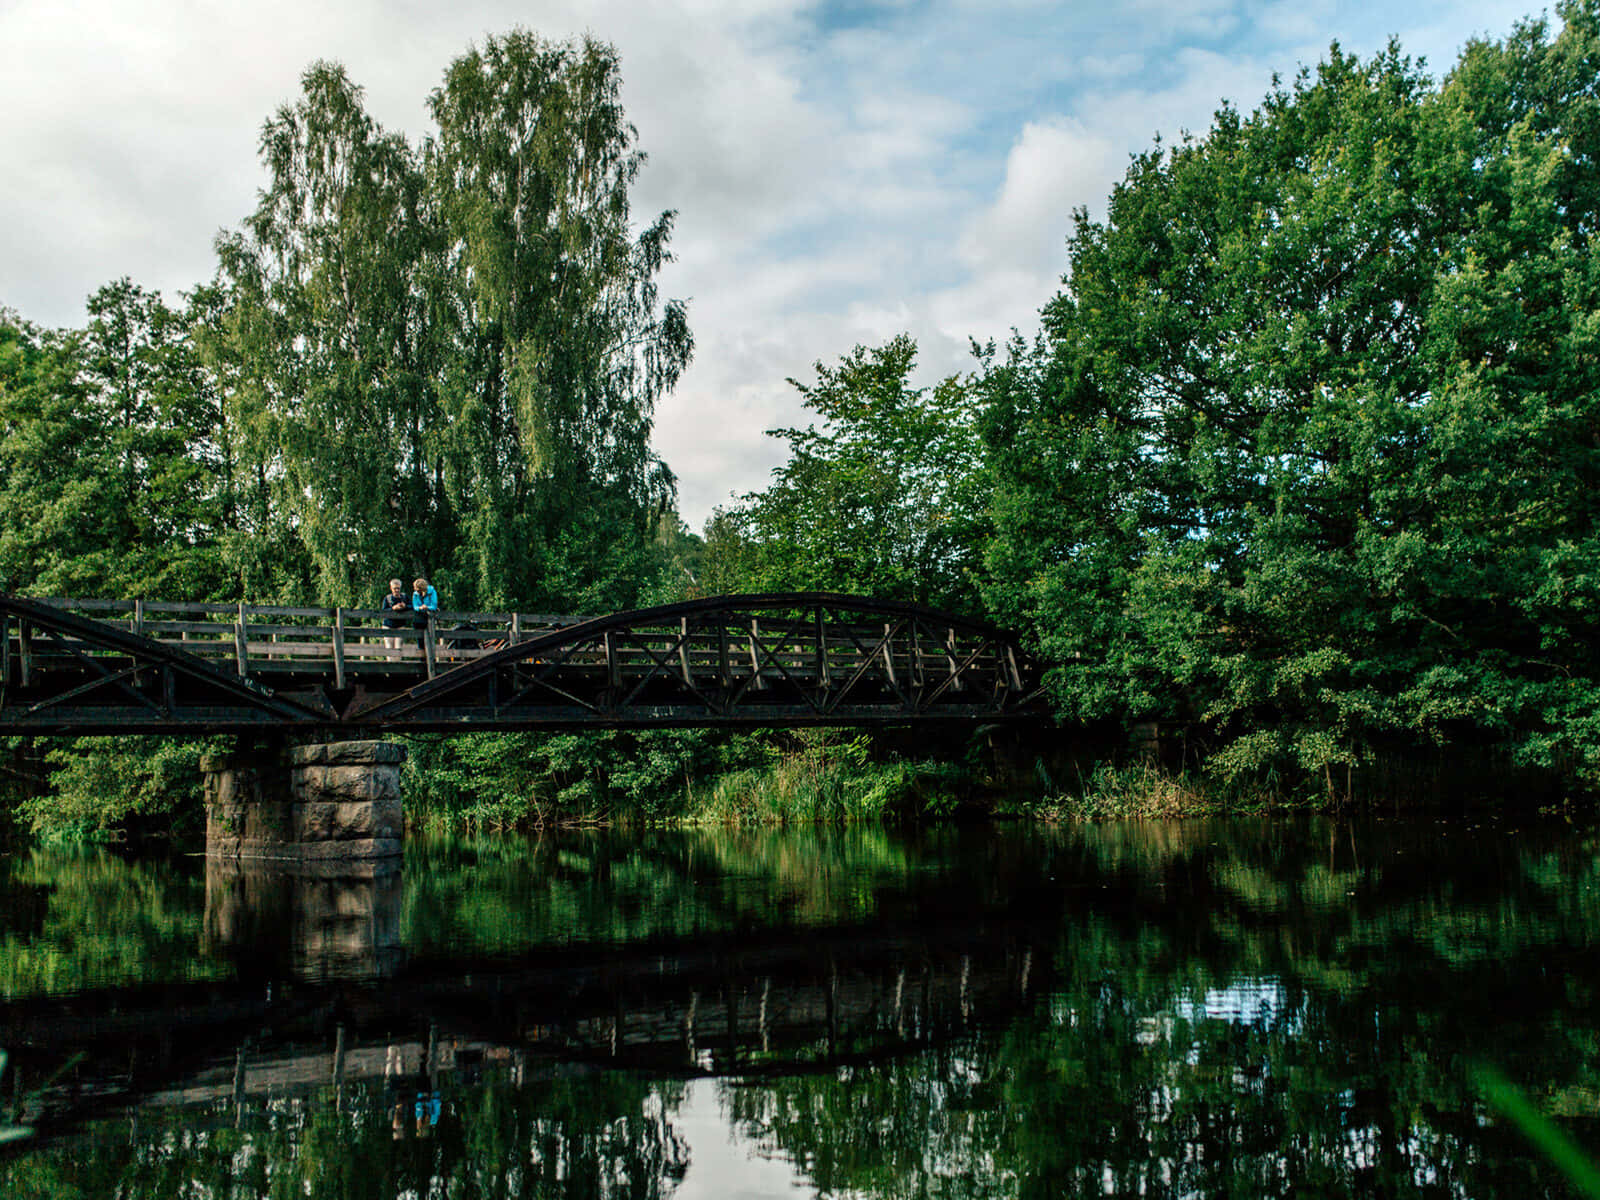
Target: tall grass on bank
(490,783)
(806,790)
(1152,791)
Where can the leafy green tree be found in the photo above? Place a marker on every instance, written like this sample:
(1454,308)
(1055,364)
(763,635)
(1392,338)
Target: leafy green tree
(446,358)
(161,418)
(107,454)
(324,330)
(562,346)
(1306,457)
(885,498)
(53,505)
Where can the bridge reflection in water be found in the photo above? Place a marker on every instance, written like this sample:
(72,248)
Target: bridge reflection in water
(323,996)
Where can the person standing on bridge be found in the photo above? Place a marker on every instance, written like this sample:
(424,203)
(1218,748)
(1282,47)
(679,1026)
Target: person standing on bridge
(392,605)
(424,600)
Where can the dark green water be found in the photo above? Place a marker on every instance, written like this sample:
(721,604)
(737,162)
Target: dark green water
(1232,1009)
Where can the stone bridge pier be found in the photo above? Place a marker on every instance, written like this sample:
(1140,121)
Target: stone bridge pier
(337,801)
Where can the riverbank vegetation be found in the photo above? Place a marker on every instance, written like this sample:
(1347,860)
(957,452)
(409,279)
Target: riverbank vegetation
(1301,472)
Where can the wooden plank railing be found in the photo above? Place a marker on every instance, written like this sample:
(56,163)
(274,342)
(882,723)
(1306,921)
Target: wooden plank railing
(257,639)
(345,644)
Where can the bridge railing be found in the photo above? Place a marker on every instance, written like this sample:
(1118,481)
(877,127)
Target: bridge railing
(265,639)
(732,646)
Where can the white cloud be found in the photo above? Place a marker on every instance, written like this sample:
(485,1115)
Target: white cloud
(913,172)
(1055,165)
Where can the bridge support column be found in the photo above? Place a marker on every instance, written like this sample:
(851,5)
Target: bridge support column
(340,800)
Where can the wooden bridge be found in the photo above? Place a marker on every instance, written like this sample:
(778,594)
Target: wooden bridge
(112,666)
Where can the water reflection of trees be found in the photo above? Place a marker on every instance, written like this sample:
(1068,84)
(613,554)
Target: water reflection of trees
(1233,1009)
(1241,1015)
(498,895)
(608,1136)
(77,919)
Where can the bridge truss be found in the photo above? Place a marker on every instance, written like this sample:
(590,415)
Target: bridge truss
(780,659)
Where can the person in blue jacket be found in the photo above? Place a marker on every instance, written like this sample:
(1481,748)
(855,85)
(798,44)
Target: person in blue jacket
(424,600)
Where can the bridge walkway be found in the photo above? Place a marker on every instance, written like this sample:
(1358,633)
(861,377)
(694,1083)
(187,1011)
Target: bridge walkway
(76,665)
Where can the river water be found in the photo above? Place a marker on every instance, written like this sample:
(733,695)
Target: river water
(1205,1009)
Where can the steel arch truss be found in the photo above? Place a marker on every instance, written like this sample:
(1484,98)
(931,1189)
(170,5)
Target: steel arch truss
(752,660)
(65,674)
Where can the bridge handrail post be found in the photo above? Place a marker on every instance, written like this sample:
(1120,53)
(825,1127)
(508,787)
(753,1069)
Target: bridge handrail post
(25,647)
(516,628)
(138,618)
(428,650)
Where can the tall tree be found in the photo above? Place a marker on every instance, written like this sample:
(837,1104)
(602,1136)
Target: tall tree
(328,325)
(107,454)
(1308,457)
(884,496)
(54,503)
(447,356)
(160,418)
(562,347)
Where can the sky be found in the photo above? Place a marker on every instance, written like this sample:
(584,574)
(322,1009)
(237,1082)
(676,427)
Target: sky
(843,170)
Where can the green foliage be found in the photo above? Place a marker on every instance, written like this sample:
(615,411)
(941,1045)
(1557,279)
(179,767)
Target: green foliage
(1307,457)
(95,920)
(885,498)
(487,782)
(830,776)
(106,454)
(101,786)
(478,343)
(500,781)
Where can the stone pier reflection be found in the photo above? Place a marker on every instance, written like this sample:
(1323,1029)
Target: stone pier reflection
(316,921)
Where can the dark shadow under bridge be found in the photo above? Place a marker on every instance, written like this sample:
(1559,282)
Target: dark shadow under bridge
(102,666)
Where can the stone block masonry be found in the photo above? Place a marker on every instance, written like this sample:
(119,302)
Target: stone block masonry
(337,801)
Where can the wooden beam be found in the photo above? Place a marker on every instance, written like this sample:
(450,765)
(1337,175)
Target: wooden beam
(138,618)
(429,648)
(338,649)
(1011,665)
(5,649)
(822,650)
(756,679)
(683,651)
(888,653)
(241,646)
(25,644)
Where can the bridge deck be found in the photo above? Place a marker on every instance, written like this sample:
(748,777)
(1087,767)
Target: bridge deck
(279,640)
(768,659)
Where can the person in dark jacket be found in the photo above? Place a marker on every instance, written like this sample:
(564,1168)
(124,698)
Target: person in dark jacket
(393,605)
